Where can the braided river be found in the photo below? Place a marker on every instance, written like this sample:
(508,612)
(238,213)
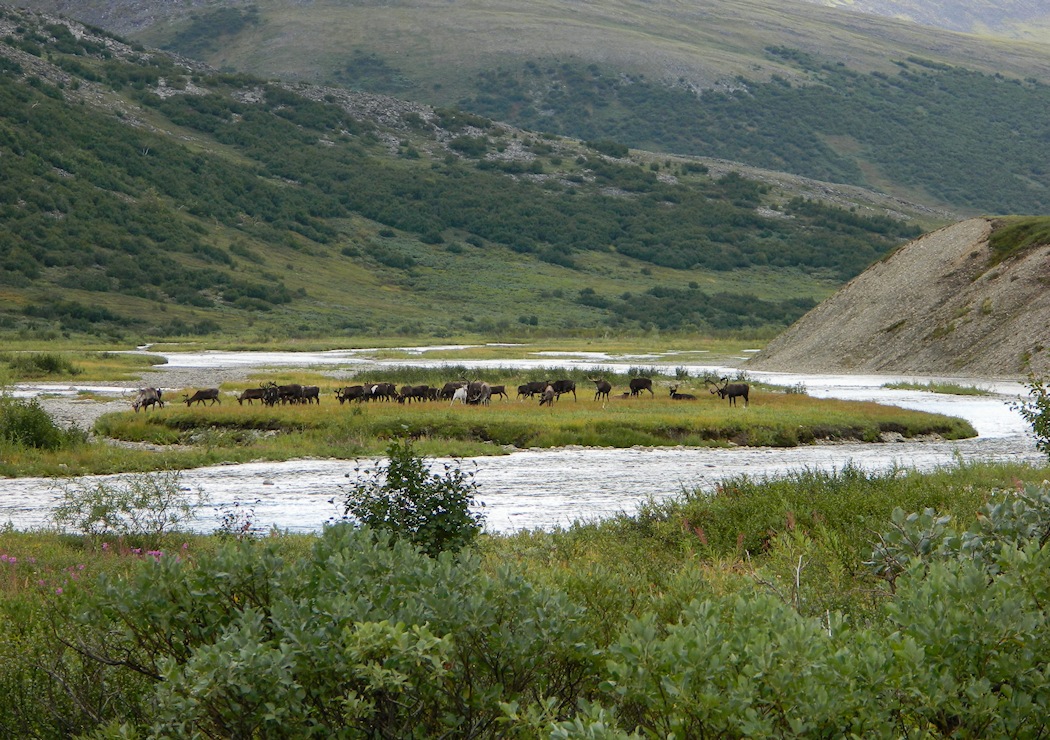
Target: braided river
(546,489)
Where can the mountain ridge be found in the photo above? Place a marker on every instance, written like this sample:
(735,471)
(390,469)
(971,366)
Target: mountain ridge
(149,195)
(827,94)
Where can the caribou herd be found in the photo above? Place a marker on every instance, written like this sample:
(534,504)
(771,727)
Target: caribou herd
(467,393)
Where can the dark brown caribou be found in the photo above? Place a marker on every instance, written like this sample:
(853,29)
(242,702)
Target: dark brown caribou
(350,393)
(252,394)
(448,390)
(564,386)
(676,396)
(530,389)
(311,394)
(207,394)
(411,393)
(381,392)
(500,390)
(732,390)
(147,397)
(290,393)
(641,384)
(602,388)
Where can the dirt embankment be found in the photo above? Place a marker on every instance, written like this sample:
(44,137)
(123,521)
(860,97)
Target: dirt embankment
(936,306)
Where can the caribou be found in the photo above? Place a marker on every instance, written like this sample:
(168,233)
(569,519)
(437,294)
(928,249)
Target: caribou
(564,386)
(731,390)
(641,384)
(350,393)
(547,397)
(147,397)
(676,396)
(602,388)
(381,391)
(530,389)
(479,392)
(449,389)
(207,394)
(252,394)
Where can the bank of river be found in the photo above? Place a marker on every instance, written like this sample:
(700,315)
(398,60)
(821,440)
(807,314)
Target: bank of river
(544,489)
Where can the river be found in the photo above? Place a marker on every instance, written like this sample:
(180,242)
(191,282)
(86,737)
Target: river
(543,489)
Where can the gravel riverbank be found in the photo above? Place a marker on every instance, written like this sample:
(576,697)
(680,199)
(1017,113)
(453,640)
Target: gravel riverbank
(68,408)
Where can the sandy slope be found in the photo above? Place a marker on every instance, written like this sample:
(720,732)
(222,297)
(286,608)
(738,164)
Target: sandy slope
(934,307)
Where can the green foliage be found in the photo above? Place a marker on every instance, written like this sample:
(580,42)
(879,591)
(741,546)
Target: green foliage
(1009,519)
(39,364)
(25,424)
(364,637)
(673,308)
(1011,236)
(1036,411)
(566,634)
(789,124)
(141,506)
(207,30)
(430,510)
(259,178)
(746,515)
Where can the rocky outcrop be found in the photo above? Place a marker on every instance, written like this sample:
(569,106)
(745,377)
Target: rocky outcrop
(937,306)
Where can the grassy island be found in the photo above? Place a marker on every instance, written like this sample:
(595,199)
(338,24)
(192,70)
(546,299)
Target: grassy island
(178,436)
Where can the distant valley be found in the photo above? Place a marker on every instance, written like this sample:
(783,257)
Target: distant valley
(497,191)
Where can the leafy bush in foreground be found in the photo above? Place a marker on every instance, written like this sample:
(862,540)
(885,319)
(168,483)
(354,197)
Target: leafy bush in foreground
(364,638)
(1036,411)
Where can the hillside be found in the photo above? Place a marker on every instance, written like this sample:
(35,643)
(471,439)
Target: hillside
(927,115)
(147,196)
(969,299)
(1018,19)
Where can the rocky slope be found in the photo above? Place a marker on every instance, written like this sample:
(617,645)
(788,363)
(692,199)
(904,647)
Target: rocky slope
(937,306)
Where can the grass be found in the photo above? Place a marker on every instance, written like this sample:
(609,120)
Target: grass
(228,432)
(84,365)
(1016,234)
(939,387)
(802,539)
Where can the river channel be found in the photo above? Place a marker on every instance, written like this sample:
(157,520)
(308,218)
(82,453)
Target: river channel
(544,489)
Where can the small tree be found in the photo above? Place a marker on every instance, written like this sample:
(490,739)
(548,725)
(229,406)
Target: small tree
(404,498)
(149,505)
(1036,411)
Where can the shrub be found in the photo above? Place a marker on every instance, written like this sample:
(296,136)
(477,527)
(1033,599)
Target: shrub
(1036,411)
(26,424)
(140,506)
(38,364)
(404,498)
(365,637)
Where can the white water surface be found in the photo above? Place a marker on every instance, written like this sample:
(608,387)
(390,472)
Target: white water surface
(544,489)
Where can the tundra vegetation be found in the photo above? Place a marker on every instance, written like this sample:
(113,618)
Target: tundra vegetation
(181,436)
(883,605)
(878,604)
(289,215)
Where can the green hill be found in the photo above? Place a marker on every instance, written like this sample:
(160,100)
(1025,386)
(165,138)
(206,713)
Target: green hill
(932,116)
(146,197)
